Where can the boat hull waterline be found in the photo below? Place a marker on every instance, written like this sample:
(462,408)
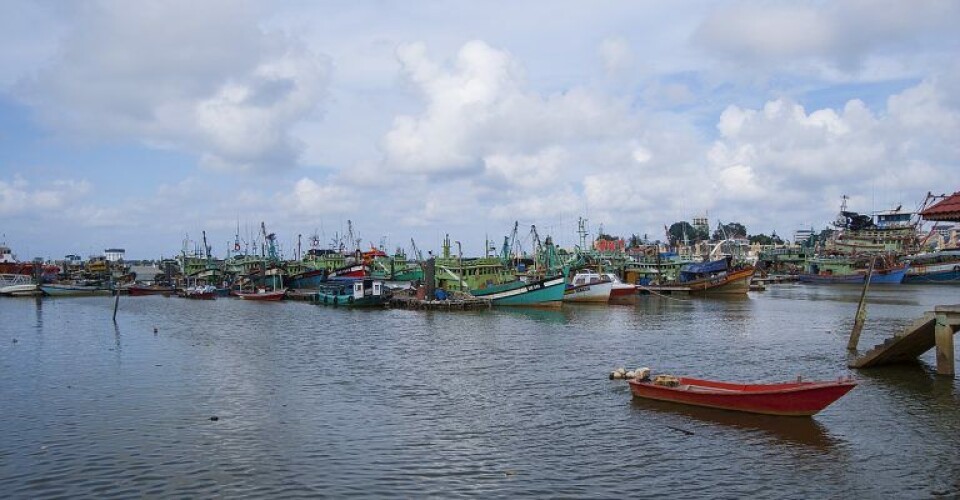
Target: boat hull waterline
(799,399)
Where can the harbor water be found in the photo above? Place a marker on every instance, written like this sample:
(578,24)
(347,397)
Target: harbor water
(230,398)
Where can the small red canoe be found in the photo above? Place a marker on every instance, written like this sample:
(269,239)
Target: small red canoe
(797,399)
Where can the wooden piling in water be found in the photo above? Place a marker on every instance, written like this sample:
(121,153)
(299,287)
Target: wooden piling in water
(861,311)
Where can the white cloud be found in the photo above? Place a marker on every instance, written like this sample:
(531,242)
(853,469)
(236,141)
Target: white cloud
(848,35)
(479,108)
(199,77)
(311,198)
(617,55)
(19,197)
(527,170)
(781,155)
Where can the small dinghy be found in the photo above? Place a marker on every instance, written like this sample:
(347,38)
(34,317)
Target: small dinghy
(799,398)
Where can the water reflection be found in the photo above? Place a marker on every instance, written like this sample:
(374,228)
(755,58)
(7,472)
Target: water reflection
(543,315)
(798,430)
(39,312)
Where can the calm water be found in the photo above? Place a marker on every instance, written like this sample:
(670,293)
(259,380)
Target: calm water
(315,401)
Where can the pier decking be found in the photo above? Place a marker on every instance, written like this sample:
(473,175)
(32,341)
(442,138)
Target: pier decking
(458,304)
(934,329)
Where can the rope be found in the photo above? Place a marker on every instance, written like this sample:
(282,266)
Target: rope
(654,292)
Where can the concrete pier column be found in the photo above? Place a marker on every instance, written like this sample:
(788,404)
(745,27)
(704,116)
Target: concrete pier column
(948,320)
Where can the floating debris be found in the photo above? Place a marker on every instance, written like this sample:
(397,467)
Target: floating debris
(624,374)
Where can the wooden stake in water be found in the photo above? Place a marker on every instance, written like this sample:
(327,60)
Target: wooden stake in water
(861,311)
(116,304)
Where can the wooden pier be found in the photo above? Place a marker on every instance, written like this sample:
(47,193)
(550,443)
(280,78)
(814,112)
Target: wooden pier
(456,304)
(775,279)
(935,329)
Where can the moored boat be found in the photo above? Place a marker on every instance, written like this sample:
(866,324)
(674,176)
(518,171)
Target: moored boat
(799,398)
(588,286)
(262,294)
(73,290)
(17,285)
(842,270)
(346,292)
(620,292)
(935,267)
(201,292)
(546,292)
(717,277)
(21,290)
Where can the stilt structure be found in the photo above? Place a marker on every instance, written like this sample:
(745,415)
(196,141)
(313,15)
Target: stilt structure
(934,329)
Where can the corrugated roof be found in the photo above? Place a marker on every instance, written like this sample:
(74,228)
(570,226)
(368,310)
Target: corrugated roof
(947,209)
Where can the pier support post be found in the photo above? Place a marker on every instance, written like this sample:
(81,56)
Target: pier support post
(861,316)
(948,320)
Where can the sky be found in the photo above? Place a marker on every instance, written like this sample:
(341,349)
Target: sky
(142,124)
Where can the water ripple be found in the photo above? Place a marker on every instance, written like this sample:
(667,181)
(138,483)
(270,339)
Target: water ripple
(311,401)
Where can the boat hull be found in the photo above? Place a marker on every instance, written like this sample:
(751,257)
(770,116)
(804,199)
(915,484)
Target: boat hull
(948,273)
(337,300)
(624,294)
(883,277)
(306,280)
(24,290)
(595,293)
(541,293)
(272,296)
(732,283)
(798,399)
(73,290)
(139,291)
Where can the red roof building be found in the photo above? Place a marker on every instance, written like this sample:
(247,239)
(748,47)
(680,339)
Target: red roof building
(946,210)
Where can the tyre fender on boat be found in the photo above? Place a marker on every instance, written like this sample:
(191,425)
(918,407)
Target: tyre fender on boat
(350,299)
(326,300)
(336,301)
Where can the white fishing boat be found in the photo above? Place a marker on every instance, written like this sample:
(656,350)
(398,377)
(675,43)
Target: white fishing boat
(74,290)
(17,285)
(588,286)
(620,292)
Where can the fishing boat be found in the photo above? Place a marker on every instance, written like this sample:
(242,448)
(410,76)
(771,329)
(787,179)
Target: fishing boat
(547,292)
(491,278)
(351,271)
(620,292)
(588,286)
(74,290)
(799,398)
(18,285)
(347,292)
(716,277)
(942,266)
(847,270)
(262,294)
(200,292)
(309,279)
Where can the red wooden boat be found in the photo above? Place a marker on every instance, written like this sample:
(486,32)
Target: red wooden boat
(262,295)
(797,399)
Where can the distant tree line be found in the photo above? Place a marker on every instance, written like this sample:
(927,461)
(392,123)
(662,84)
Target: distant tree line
(683,232)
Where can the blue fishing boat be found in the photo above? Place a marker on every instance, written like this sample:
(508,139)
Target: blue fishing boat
(852,271)
(942,266)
